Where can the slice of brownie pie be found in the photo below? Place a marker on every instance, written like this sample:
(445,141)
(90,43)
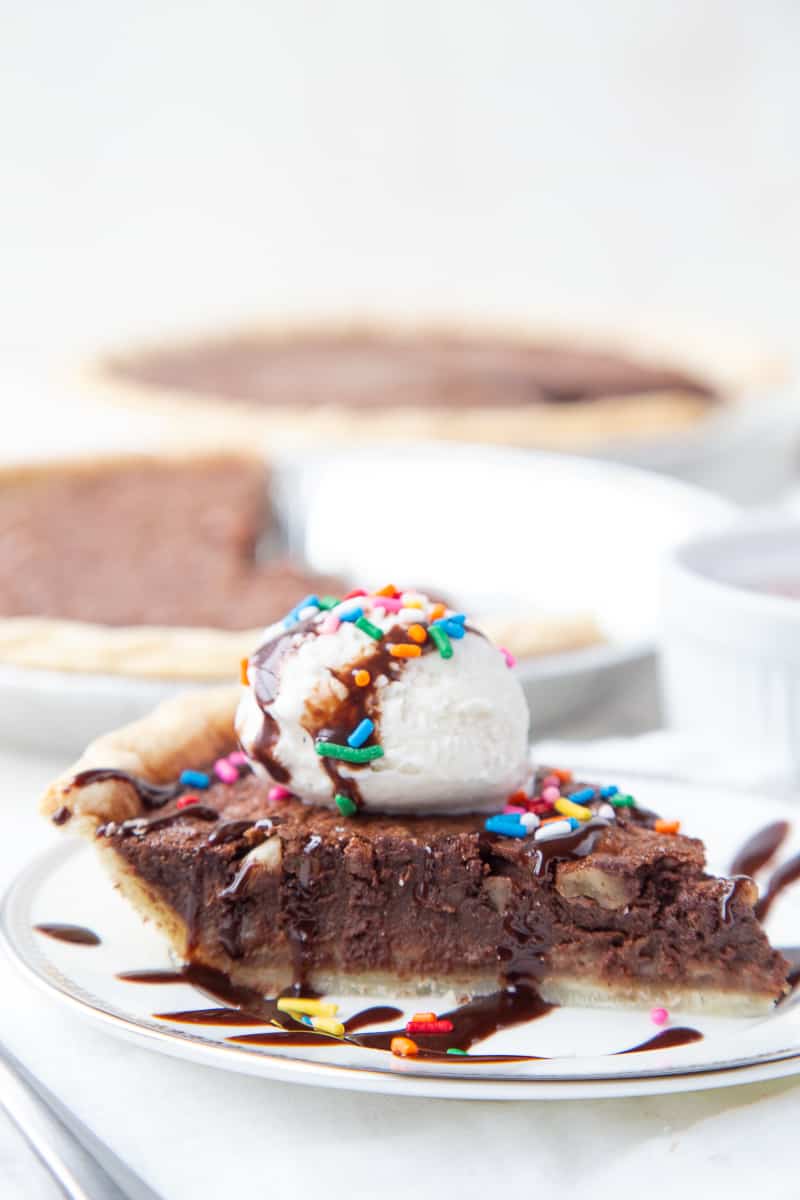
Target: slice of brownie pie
(361,816)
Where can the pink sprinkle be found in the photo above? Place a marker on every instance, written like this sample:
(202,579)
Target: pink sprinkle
(238,758)
(278,792)
(508,656)
(551,781)
(330,624)
(659,1016)
(225,771)
(514,808)
(387,603)
(551,794)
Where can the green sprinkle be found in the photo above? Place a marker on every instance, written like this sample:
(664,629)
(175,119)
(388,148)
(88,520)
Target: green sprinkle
(347,753)
(623,801)
(440,639)
(328,602)
(367,627)
(345,805)
(455,1050)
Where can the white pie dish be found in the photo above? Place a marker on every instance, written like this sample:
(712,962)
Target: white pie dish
(731,644)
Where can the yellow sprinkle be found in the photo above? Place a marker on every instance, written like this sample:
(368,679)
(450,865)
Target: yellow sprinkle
(404,650)
(311,1008)
(568,809)
(328,1025)
(417,633)
(412,603)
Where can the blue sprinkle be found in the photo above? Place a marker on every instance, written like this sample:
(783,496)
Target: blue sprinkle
(452,628)
(574,822)
(195,779)
(360,733)
(460,617)
(608,791)
(305,603)
(580,797)
(293,617)
(506,824)
(353,614)
(307,1021)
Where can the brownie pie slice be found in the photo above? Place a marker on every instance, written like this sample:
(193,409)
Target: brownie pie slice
(150,565)
(246,879)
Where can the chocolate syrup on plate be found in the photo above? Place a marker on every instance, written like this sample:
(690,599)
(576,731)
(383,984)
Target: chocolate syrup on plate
(759,849)
(79,935)
(786,874)
(679,1036)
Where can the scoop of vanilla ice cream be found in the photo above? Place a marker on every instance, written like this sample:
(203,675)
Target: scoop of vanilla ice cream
(453,731)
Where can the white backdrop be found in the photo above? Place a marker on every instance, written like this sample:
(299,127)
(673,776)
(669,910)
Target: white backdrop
(165,162)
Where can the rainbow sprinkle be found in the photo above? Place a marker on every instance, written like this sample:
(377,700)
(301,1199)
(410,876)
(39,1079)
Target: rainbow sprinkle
(360,734)
(346,806)
(347,753)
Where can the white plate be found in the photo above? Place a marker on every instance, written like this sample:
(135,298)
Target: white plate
(499,530)
(581,1046)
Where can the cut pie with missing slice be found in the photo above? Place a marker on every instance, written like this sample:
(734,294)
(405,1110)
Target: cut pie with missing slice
(273,892)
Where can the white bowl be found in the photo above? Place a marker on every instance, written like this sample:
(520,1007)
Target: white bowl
(731,646)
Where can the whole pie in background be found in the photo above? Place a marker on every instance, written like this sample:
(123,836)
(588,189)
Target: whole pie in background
(363,380)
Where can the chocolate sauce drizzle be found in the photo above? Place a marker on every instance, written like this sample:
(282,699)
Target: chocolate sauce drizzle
(61,815)
(759,849)
(139,826)
(78,935)
(681,1035)
(786,874)
(334,718)
(151,795)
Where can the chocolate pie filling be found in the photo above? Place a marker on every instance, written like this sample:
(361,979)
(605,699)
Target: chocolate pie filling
(145,542)
(363,369)
(431,898)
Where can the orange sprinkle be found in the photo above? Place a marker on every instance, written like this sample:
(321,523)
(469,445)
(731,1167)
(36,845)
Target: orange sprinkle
(417,633)
(666,826)
(243,665)
(549,820)
(564,776)
(437,611)
(424,1017)
(390,590)
(405,650)
(403,1047)
(362,678)
(518,798)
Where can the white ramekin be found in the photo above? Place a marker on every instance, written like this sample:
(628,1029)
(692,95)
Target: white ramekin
(730,665)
